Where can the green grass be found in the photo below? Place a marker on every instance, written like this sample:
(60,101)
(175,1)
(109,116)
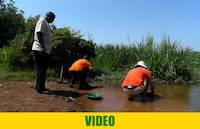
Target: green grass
(21,75)
(8,72)
(196,60)
(168,61)
(196,66)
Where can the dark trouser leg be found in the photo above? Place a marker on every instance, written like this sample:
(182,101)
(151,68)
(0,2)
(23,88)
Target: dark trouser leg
(83,77)
(41,77)
(41,63)
(83,81)
(74,76)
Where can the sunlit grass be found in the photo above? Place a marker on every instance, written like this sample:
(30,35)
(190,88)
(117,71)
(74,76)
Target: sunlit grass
(168,61)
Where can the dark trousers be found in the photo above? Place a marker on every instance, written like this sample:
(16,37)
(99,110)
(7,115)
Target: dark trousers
(81,75)
(41,66)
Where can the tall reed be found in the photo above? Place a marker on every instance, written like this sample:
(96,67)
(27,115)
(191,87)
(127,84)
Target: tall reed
(168,61)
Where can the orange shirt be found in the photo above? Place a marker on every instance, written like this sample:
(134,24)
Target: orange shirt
(80,65)
(136,77)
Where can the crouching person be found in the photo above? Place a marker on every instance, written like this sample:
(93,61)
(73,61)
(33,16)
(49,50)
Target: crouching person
(138,80)
(80,70)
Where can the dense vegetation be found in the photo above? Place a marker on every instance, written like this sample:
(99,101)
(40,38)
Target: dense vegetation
(11,22)
(68,44)
(196,67)
(168,61)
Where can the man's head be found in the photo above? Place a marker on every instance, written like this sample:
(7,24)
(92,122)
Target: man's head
(141,64)
(50,16)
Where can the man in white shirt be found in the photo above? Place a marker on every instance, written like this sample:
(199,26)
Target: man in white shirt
(41,49)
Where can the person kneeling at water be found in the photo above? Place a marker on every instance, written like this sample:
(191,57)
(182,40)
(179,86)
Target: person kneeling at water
(138,80)
(80,69)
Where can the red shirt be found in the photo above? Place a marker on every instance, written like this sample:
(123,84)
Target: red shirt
(80,65)
(136,77)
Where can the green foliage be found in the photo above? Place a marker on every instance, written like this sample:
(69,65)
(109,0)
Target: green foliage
(11,22)
(23,44)
(196,66)
(68,45)
(196,60)
(24,40)
(14,58)
(168,61)
(3,55)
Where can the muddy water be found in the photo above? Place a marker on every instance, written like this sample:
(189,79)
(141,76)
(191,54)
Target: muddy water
(168,98)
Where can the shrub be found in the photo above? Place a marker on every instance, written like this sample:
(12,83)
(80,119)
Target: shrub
(68,46)
(14,58)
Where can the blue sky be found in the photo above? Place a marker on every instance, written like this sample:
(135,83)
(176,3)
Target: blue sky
(116,21)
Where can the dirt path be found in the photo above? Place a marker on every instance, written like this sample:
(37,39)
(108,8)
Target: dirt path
(21,96)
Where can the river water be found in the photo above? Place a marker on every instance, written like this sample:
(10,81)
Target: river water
(167,98)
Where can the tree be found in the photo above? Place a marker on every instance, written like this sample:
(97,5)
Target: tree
(20,55)
(68,46)
(11,22)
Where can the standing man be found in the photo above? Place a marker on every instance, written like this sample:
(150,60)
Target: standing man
(138,80)
(41,49)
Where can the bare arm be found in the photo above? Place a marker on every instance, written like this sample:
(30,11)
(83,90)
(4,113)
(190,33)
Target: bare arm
(40,38)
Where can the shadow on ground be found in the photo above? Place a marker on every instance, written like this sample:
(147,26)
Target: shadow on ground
(64,93)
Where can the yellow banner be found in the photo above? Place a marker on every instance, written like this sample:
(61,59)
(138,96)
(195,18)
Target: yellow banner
(162,120)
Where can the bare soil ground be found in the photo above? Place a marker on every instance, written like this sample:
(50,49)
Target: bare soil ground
(21,96)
